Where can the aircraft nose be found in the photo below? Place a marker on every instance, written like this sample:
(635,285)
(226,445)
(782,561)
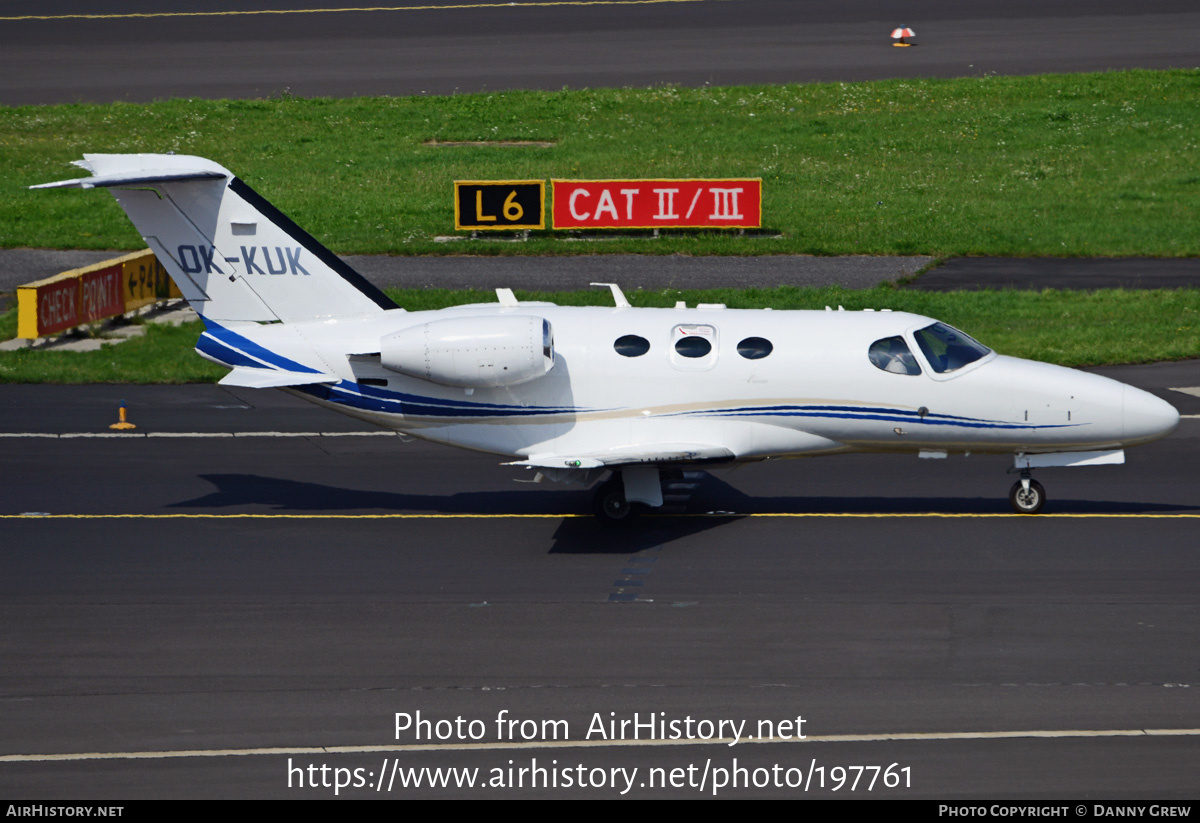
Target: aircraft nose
(1146,417)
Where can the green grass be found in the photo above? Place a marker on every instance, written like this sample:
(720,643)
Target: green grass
(163,355)
(1084,164)
(1068,328)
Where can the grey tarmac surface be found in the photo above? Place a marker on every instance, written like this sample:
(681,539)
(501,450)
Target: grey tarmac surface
(861,611)
(565,273)
(1035,274)
(529,46)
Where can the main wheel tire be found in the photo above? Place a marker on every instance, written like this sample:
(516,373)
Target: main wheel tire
(610,505)
(1027,502)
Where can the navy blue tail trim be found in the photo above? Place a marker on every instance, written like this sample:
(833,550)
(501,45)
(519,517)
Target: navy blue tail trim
(309,242)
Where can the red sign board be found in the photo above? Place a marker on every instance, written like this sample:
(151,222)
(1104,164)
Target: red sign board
(58,306)
(657,204)
(100,293)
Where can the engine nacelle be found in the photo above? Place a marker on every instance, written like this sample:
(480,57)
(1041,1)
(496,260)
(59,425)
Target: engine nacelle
(472,352)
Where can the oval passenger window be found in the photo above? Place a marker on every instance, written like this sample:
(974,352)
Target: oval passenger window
(630,345)
(755,348)
(693,346)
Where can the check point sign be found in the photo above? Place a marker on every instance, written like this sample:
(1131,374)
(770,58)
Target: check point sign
(657,204)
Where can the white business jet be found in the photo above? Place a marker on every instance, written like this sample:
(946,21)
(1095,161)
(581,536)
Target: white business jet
(580,393)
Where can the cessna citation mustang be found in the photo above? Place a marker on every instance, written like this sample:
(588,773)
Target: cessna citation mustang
(578,393)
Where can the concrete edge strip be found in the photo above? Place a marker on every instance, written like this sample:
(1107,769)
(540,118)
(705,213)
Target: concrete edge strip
(596,744)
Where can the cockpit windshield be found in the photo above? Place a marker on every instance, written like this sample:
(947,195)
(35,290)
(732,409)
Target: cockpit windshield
(948,349)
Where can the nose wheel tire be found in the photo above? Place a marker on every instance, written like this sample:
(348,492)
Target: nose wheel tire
(1027,501)
(610,505)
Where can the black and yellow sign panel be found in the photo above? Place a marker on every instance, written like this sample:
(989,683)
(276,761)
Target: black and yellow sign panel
(499,204)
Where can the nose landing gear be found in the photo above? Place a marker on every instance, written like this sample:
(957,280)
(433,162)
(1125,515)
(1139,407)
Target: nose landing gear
(1027,495)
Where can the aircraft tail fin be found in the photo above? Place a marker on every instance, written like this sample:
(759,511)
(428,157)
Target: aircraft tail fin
(233,255)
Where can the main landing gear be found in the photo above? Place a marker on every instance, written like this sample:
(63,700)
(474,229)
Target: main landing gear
(634,490)
(609,503)
(622,497)
(1027,495)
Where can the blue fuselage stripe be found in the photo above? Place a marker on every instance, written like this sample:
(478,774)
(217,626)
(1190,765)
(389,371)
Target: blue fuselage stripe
(369,398)
(247,347)
(222,352)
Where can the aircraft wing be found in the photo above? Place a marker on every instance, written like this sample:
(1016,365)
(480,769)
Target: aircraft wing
(658,454)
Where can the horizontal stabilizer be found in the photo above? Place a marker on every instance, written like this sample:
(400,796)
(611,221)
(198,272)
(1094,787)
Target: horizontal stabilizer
(133,178)
(251,378)
(660,453)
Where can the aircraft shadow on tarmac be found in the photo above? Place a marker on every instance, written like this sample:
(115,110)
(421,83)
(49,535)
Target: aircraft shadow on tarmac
(253,491)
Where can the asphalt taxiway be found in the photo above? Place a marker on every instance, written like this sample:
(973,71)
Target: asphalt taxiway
(69,51)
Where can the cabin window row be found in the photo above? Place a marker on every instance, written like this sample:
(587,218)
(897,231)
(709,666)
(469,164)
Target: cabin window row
(692,346)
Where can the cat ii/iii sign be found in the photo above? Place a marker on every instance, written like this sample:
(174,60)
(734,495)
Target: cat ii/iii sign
(654,204)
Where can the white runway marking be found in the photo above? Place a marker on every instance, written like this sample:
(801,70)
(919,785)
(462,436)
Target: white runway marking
(597,744)
(430,7)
